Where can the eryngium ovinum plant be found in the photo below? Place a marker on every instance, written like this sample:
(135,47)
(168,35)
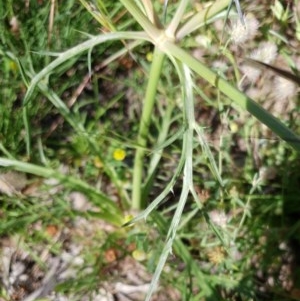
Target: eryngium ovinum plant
(167,38)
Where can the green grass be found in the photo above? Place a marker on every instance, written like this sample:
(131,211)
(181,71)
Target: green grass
(220,190)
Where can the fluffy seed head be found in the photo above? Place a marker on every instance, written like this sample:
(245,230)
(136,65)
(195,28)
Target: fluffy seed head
(241,33)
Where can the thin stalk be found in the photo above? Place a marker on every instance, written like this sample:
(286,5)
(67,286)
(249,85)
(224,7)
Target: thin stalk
(187,150)
(151,92)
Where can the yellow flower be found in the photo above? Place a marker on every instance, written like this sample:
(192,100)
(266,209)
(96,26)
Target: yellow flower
(119,154)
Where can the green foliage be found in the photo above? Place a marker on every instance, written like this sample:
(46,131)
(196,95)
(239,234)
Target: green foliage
(93,94)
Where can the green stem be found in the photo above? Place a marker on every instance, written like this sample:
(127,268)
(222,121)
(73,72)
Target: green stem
(151,92)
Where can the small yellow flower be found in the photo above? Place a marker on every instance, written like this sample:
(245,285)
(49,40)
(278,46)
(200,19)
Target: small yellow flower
(119,154)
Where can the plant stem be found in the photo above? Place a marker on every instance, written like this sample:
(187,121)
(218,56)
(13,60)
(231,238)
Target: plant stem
(158,58)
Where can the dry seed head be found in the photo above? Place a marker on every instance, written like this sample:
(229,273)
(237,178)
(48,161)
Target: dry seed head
(241,33)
